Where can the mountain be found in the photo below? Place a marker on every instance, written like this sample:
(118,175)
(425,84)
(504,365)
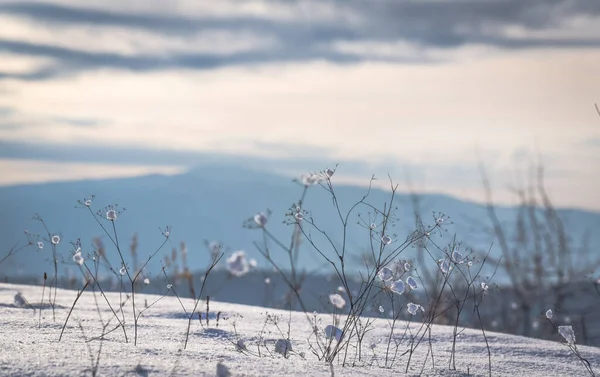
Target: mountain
(211,202)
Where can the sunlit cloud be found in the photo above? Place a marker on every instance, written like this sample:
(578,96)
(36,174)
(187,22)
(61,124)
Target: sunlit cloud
(16,171)
(428,88)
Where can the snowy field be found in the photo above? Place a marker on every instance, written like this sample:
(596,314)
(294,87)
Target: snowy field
(30,346)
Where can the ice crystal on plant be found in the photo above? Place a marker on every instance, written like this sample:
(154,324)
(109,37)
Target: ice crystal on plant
(260,219)
(457,257)
(337,300)
(333,332)
(567,333)
(283,346)
(385,274)
(412,283)
(397,287)
(111,215)
(412,308)
(55,240)
(237,264)
(77,258)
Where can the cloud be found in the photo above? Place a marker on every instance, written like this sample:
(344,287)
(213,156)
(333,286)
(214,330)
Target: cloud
(155,37)
(32,171)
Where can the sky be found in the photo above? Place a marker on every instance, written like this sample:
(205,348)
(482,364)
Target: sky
(425,91)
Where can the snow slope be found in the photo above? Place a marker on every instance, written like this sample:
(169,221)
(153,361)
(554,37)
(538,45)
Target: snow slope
(30,347)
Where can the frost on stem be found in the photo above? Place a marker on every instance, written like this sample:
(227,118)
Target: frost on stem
(567,333)
(549,314)
(146,281)
(122,270)
(386,240)
(40,245)
(237,264)
(337,300)
(484,286)
(55,240)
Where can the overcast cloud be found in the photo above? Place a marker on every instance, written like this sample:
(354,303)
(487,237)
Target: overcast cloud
(425,87)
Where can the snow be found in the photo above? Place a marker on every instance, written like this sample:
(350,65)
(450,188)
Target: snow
(31,347)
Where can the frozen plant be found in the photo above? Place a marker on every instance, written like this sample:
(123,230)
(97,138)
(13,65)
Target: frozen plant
(283,346)
(40,245)
(77,258)
(412,308)
(55,240)
(397,287)
(222,370)
(111,215)
(385,274)
(457,257)
(549,314)
(337,300)
(444,266)
(260,219)
(567,333)
(146,281)
(412,283)
(237,264)
(19,300)
(386,240)
(333,332)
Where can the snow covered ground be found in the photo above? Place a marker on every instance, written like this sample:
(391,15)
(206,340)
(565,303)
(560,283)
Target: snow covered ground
(30,346)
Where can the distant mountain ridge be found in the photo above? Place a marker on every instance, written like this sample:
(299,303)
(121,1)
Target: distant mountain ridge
(211,203)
